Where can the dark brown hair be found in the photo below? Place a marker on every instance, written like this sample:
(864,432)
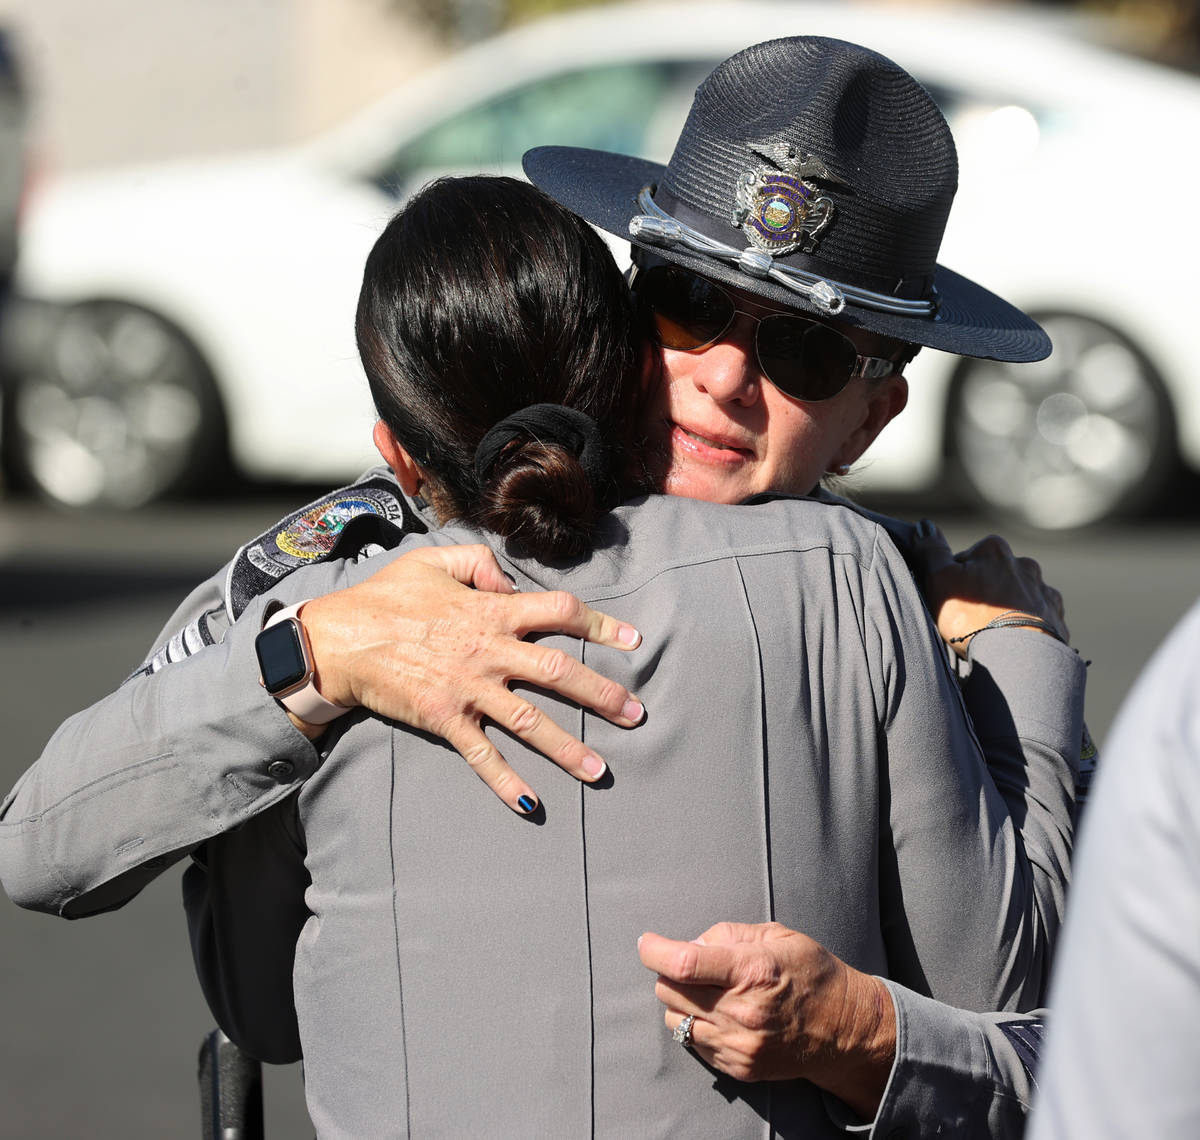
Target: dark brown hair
(483,297)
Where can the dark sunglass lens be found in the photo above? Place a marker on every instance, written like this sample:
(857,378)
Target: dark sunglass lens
(688,311)
(806,360)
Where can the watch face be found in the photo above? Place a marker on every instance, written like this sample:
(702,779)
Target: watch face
(281,659)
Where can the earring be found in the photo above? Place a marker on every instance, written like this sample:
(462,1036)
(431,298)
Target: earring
(841,469)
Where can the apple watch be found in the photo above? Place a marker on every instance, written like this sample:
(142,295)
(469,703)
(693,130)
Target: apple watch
(286,667)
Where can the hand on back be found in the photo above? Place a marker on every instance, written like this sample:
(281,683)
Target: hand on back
(965,591)
(434,639)
(772,1004)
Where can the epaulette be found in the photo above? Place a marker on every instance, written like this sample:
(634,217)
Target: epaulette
(342,524)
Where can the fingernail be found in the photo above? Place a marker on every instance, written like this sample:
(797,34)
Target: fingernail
(627,635)
(593,766)
(633,710)
(526,803)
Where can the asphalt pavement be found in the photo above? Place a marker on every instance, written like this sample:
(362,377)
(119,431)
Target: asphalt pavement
(102,1018)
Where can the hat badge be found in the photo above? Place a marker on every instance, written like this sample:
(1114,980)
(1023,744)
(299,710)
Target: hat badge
(782,210)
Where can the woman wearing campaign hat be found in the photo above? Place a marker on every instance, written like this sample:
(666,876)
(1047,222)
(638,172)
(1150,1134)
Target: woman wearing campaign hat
(805,758)
(850,365)
(812,177)
(817,175)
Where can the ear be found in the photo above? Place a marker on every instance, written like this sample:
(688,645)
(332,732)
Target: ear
(403,466)
(884,402)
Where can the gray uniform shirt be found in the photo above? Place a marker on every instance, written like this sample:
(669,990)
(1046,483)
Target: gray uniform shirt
(806,758)
(130,785)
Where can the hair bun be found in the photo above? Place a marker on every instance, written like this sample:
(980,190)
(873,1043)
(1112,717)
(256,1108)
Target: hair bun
(549,423)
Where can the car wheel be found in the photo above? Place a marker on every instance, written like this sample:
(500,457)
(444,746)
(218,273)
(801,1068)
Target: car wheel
(116,409)
(1083,436)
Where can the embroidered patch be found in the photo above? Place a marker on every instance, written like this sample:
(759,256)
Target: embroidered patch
(351,522)
(373,512)
(314,532)
(783,210)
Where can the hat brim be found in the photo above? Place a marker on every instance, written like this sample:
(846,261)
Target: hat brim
(602,187)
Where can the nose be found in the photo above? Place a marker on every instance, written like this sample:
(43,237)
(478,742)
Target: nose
(727,370)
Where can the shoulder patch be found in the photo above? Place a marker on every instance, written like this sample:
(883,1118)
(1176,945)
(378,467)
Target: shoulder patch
(341,524)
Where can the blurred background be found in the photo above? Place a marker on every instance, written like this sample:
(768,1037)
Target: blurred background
(187,193)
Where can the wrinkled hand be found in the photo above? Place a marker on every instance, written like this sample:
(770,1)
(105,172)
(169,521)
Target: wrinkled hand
(965,591)
(415,643)
(772,1004)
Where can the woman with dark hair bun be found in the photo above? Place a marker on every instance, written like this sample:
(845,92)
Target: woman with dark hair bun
(511,421)
(806,761)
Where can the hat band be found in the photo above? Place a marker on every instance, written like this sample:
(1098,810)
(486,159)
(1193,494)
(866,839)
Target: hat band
(657,227)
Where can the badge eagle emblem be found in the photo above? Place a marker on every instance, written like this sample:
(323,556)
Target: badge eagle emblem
(781,211)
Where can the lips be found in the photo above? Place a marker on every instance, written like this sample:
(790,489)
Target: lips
(712,447)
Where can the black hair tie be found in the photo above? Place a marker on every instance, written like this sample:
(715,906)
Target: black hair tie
(548,423)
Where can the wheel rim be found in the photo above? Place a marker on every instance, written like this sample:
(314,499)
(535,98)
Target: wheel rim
(116,414)
(1067,441)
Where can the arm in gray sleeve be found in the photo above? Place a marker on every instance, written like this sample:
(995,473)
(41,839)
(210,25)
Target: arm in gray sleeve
(979,936)
(130,785)
(190,744)
(200,620)
(1024,701)
(1025,695)
(957,1073)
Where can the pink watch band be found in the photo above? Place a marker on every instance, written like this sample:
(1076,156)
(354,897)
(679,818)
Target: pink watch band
(306,703)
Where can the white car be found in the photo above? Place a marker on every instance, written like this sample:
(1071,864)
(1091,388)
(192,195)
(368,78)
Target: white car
(182,314)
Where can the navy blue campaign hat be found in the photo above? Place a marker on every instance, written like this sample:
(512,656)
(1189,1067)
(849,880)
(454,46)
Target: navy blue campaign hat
(817,174)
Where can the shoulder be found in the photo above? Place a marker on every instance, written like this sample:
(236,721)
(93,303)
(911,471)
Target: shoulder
(367,515)
(765,524)
(342,526)
(658,536)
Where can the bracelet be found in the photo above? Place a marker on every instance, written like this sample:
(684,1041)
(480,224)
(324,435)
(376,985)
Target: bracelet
(1013,619)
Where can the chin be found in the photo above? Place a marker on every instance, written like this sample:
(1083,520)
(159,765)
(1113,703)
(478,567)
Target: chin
(700,485)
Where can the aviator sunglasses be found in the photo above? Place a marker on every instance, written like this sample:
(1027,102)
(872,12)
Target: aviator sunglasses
(803,358)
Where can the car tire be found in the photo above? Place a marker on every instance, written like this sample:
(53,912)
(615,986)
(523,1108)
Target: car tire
(115,410)
(1080,438)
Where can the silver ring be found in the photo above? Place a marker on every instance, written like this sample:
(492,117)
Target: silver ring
(682,1033)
